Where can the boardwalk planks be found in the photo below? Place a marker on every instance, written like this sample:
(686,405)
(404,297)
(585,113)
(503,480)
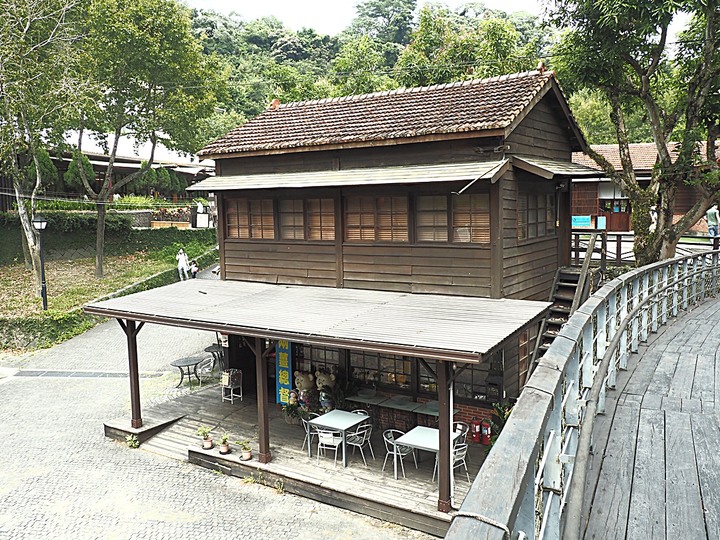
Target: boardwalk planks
(647,502)
(706,434)
(609,513)
(682,488)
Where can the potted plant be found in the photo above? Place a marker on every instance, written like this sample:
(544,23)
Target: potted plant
(245,450)
(291,413)
(204,433)
(225,443)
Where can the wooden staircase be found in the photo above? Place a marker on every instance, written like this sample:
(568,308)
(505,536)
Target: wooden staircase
(571,287)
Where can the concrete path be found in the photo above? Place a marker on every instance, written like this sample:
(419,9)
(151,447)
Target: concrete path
(61,478)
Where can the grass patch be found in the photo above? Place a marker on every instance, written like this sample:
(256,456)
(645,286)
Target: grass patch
(71,284)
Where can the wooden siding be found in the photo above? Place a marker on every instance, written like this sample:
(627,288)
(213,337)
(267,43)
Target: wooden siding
(418,269)
(541,133)
(511,374)
(462,150)
(529,266)
(288,263)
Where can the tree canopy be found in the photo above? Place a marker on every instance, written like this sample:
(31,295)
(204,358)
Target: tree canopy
(621,50)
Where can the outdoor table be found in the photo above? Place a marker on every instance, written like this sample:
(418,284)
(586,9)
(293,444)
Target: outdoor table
(431,408)
(184,365)
(421,438)
(217,352)
(367,400)
(337,420)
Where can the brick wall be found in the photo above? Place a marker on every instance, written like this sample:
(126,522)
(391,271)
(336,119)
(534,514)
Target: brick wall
(585,199)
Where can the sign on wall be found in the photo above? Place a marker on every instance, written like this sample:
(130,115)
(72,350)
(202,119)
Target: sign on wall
(283,371)
(581,221)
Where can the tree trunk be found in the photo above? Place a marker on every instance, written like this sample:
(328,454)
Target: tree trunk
(100,240)
(26,250)
(667,251)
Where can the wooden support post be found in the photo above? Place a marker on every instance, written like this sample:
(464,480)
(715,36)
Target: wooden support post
(264,455)
(131,332)
(444,455)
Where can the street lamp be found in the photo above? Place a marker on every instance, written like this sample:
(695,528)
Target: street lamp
(40,223)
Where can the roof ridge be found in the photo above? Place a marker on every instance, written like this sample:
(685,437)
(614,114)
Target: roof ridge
(413,89)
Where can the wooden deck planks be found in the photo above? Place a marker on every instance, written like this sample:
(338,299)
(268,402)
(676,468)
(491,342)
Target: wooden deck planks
(646,517)
(706,434)
(608,516)
(660,474)
(682,489)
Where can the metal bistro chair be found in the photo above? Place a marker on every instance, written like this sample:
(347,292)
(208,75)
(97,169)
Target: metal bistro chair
(360,438)
(204,368)
(463,428)
(391,449)
(459,454)
(310,430)
(328,440)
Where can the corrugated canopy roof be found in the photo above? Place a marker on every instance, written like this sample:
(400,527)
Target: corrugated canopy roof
(550,168)
(452,328)
(449,172)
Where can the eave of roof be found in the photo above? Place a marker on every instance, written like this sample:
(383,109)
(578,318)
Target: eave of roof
(410,174)
(442,327)
(551,168)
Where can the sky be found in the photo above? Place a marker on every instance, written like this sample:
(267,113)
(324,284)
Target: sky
(330,16)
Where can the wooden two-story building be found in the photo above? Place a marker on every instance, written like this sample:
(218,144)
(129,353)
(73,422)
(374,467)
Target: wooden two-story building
(406,240)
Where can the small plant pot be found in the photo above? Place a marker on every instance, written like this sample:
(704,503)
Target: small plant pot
(224,448)
(207,444)
(246,455)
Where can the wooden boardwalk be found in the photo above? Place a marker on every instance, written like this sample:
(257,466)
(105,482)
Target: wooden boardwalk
(170,430)
(655,469)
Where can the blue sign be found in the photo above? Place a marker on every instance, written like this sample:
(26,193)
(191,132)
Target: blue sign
(581,221)
(283,371)
(601,222)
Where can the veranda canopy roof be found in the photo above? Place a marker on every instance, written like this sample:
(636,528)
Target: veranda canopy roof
(411,174)
(451,328)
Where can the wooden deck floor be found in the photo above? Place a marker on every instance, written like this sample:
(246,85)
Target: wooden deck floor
(655,471)
(410,501)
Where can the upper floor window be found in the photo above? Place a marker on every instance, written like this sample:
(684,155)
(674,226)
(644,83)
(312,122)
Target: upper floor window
(535,215)
(383,219)
(250,218)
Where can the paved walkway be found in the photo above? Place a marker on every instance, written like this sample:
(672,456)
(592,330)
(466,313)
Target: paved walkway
(655,471)
(61,478)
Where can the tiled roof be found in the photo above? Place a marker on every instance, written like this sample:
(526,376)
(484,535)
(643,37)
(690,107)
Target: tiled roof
(643,155)
(465,106)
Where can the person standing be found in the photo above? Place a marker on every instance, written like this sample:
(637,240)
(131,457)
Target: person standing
(712,216)
(183,265)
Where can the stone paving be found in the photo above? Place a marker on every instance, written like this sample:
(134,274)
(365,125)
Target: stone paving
(61,478)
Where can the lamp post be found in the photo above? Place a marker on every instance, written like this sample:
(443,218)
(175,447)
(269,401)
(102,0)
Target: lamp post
(40,223)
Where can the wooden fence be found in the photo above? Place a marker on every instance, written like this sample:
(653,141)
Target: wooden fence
(531,484)
(617,248)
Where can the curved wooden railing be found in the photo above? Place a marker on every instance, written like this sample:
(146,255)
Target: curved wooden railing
(531,484)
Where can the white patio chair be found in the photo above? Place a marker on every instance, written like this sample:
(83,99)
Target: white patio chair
(328,440)
(310,429)
(459,454)
(463,428)
(391,449)
(360,438)
(204,368)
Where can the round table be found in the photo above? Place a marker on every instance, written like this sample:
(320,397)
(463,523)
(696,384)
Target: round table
(184,365)
(217,351)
